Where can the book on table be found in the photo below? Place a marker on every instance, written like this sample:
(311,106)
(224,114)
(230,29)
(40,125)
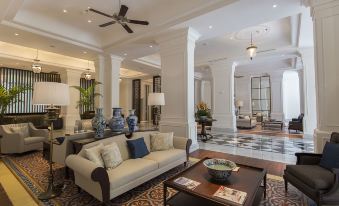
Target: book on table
(232,196)
(188,183)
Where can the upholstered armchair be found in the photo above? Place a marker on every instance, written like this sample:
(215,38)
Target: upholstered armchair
(296,123)
(19,138)
(318,183)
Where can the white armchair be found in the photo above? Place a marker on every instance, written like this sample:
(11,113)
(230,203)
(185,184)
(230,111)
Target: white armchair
(19,138)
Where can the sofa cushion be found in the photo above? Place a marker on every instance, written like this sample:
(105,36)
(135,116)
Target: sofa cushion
(32,140)
(165,157)
(130,170)
(22,130)
(312,175)
(161,141)
(111,155)
(330,156)
(137,148)
(94,154)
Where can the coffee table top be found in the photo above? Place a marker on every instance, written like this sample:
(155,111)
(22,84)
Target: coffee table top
(248,179)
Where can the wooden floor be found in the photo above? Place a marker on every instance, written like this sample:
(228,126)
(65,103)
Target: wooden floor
(274,168)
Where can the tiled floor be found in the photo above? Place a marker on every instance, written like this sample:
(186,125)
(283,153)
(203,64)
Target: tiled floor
(280,149)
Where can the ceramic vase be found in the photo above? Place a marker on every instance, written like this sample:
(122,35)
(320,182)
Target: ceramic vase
(99,124)
(117,123)
(132,121)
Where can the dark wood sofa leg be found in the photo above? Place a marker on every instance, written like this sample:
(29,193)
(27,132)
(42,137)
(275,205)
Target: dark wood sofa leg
(286,185)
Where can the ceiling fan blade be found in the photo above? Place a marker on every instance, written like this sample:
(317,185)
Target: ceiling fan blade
(107,24)
(127,28)
(123,10)
(99,12)
(138,22)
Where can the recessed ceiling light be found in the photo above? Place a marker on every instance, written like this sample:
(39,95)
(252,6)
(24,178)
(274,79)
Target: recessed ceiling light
(210,27)
(16,34)
(150,46)
(89,21)
(85,52)
(275,6)
(231,38)
(88,7)
(125,54)
(64,10)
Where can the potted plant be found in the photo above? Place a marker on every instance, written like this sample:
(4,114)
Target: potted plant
(87,99)
(8,97)
(203,112)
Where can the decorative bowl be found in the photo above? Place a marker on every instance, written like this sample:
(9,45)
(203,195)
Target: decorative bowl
(219,169)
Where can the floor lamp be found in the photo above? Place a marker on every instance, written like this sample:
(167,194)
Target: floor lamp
(239,104)
(51,94)
(156,99)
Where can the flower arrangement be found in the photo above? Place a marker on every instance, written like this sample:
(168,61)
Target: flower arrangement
(203,110)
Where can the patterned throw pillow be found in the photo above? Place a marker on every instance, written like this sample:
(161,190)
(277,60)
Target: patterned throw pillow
(111,155)
(94,154)
(23,131)
(161,141)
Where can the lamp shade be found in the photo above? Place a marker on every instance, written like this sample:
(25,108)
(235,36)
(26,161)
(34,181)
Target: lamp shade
(50,93)
(239,103)
(156,99)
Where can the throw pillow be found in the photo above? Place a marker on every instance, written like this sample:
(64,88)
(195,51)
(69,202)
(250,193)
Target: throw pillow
(161,141)
(330,156)
(23,131)
(94,154)
(137,148)
(111,155)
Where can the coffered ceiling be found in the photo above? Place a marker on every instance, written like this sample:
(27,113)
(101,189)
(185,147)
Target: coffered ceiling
(65,27)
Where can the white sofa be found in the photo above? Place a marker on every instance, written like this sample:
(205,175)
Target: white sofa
(107,184)
(29,138)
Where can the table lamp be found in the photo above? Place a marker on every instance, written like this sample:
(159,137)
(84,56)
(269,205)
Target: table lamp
(239,104)
(50,94)
(156,99)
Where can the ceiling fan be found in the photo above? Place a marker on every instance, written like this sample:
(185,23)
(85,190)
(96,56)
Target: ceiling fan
(119,18)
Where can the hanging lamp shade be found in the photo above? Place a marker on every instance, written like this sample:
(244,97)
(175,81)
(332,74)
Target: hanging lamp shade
(36,67)
(252,49)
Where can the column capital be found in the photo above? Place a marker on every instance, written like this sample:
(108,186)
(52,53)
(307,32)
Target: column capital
(186,33)
(115,57)
(323,8)
(223,65)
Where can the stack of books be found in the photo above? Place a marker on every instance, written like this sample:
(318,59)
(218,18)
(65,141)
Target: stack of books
(232,196)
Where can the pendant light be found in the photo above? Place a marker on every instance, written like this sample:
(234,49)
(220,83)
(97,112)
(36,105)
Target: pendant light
(87,74)
(252,49)
(36,67)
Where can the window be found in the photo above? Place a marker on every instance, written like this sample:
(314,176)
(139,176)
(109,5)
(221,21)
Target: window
(261,95)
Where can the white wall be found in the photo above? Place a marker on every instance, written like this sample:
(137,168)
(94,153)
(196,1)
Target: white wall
(126,95)
(206,92)
(243,92)
(291,94)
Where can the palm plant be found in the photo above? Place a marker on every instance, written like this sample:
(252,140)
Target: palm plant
(10,96)
(87,96)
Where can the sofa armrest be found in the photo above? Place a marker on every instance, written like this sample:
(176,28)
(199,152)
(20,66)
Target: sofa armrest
(333,194)
(308,158)
(90,171)
(182,143)
(37,132)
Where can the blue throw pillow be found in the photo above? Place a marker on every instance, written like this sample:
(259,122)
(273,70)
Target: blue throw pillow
(137,148)
(330,157)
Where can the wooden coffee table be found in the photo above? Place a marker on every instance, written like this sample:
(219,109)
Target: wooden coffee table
(251,180)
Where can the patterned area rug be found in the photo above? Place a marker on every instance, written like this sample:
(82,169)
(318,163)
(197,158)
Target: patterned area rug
(31,169)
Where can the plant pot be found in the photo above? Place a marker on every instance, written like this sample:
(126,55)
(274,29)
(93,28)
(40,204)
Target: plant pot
(132,121)
(99,124)
(117,123)
(202,118)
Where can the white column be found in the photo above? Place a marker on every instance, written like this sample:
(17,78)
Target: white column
(177,72)
(223,96)
(301,90)
(309,93)
(99,64)
(111,84)
(277,95)
(206,92)
(70,113)
(326,28)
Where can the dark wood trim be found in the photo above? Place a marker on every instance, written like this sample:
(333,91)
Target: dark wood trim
(188,146)
(136,97)
(100,175)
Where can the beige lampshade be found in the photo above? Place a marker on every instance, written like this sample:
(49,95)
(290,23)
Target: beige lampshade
(50,93)
(156,99)
(239,103)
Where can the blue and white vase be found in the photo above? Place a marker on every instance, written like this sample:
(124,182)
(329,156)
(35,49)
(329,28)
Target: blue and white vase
(99,124)
(132,121)
(117,123)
